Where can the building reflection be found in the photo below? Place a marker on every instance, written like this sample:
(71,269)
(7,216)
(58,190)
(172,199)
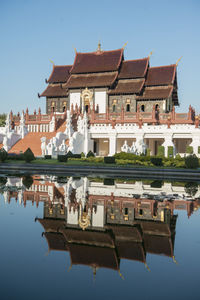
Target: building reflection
(102,221)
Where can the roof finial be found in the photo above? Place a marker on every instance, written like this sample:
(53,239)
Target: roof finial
(150,54)
(125,45)
(51,61)
(99,47)
(178,60)
(75,50)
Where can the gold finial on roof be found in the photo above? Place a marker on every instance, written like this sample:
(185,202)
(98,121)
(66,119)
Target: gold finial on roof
(124,45)
(178,60)
(150,54)
(51,61)
(99,47)
(174,260)
(75,50)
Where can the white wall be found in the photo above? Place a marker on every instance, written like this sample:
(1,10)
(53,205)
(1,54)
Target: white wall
(98,217)
(100,99)
(75,99)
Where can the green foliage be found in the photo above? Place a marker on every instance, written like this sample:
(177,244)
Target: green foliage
(191,188)
(2,120)
(161,151)
(3,155)
(62,158)
(109,181)
(90,154)
(198,149)
(156,161)
(170,151)
(191,162)
(156,184)
(27,181)
(28,155)
(124,155)
(82,154)
(15,156)
(47,156)
(189,149)
(148,152)
(178,157)
(69,154)
(3,180)
(109,160)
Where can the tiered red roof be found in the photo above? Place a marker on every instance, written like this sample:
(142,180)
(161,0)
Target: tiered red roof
(130,86)
(134,68)
(60,74)
(54,91)
(156,92)
(99,61)
(91,80)
(164,75)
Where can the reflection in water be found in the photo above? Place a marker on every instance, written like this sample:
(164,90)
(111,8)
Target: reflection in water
(101,221)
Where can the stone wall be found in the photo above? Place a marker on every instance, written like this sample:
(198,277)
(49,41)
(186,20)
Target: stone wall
(119,100)
(59,104)
(148,105)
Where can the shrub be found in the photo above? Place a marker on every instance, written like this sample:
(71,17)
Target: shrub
(109,160)
(156,184)
(191,188)
(124,155)
(90,154)
(82,154)
(189,149)
(191,162)
(178,157)
(3,181)
(170,151)
(69,154)
(62,158)
(3,155)
(28,155)
(198,149)
(148,152)
(76,156)
(156,161)
(109,181)
(16,156)
(27,181)
(161,151)
(47,156)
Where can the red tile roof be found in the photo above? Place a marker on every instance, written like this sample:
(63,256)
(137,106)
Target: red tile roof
(91,80)
(54,91)
(163,75)
(134,68)
(128,86)
(99,61)
(156,92)
(60,74)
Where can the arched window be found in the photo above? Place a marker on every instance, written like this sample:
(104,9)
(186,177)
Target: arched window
(128,108)
(53,106)
(142,108)
(157,107)
(114,108)
(86,108)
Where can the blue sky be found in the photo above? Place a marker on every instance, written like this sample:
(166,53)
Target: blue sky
(32,32)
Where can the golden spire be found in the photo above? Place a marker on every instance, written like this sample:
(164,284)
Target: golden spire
(120,274)
(150,54)
(178,60)
(174,260)
(99,47)
(75,50)
(147,267)
(124,45)
(51,61)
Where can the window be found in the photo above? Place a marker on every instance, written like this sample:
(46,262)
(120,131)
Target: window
(86,108)
(114,108)
(53,106)
(128,107)
(142,108)
(157,107)
(64,106)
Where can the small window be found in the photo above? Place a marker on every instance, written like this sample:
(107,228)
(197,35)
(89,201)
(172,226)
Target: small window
(86,108)
(127,107)
(142,108)
(126,211)
(157,107)
(114,108)
(141,212)
(64,108)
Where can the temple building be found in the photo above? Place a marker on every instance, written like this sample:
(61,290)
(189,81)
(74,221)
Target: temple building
(104,79)
(106,104)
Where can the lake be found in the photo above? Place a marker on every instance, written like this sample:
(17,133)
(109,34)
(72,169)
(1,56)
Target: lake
(98,238)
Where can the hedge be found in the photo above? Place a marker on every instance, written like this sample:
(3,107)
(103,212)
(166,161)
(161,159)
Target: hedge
(109,160)
(161,151)
(156,161)
(28,155)
(170,151)
(62,158)
(189,149)
(191,162)
(3,155)
(47,156)
(90,154)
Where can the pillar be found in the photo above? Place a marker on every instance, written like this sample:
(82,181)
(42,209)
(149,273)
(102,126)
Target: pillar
(112,145)
(167,143)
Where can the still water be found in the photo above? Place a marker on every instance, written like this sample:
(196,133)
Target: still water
(98,238)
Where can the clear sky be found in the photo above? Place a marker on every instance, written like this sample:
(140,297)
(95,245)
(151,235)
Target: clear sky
(32,32)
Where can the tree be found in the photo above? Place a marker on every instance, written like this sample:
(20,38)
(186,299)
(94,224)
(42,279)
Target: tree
(28,155)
